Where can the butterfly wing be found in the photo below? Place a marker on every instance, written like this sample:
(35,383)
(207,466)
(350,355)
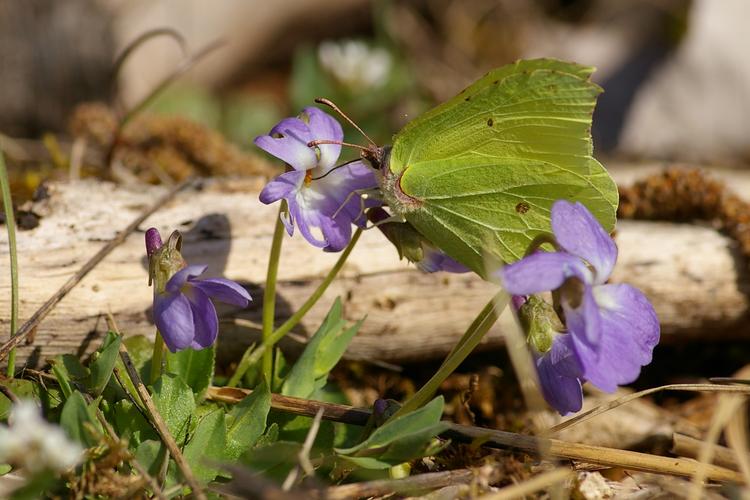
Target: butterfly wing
(484,168)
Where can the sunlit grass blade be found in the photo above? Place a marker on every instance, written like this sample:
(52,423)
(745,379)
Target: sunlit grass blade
(10,224)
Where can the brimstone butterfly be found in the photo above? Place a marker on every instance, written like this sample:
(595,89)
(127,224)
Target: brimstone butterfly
(478,174)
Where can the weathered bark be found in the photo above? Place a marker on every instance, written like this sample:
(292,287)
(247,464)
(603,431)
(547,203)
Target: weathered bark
(692,274)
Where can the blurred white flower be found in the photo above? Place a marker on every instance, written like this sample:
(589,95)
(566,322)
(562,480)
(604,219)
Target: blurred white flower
(32,443)
(355,65)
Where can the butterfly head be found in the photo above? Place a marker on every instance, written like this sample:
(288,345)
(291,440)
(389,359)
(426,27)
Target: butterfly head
(376,156)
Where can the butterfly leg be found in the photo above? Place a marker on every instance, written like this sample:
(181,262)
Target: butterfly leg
(393,218)
(364,195)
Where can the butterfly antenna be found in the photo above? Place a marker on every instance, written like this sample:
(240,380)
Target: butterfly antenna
(330,104)
(318,142)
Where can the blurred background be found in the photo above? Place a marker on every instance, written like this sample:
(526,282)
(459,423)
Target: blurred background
(676,73)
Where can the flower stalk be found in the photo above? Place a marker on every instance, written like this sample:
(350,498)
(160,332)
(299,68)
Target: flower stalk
(468,342)
(266,348)
(269,293)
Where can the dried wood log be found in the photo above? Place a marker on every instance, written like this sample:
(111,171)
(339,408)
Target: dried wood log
(692,274)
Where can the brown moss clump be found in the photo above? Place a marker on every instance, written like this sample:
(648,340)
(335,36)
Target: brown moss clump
(679,194)
(155,148)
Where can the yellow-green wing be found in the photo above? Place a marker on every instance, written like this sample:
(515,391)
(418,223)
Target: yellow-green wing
(485,167)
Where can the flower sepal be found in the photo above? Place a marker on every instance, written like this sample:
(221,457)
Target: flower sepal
(540,322)
(165,260)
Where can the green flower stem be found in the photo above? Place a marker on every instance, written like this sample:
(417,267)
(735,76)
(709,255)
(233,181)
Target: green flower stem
(269,293)
(10,224)
(474,334)
(250,358)
(157,358)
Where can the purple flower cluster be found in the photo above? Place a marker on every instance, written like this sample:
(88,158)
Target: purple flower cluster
(323,198)
(184,312)
(612,329)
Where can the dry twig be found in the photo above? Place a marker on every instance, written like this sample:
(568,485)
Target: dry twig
(609,457)
(161,426)
(50,304)
(427,481)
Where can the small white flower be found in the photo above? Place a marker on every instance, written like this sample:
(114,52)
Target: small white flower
(32,443)
(355,65)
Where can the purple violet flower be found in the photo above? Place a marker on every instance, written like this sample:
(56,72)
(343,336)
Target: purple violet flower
(319,193)
(613,328)
(435,260)
(185,314)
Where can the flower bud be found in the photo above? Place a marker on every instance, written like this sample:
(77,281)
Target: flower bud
(540,322)
(153,241)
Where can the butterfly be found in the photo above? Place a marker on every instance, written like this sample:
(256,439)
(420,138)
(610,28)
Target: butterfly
(478,174)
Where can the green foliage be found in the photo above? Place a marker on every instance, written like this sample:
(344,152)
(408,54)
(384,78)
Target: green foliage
(247,421)
(176,403)
(69,372)
(194,367)
(274,460)
(401,439)
(207,446)
(79,421)
(102,364)
(24,389)
(150,454)
(321,354)
(130,423)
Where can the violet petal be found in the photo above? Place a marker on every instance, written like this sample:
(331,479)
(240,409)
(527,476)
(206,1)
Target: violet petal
(623,304)
(630,331)
(579,233)
(323,126)
(560,391)
(337,232)
(224,290)
(281,187)
(178,279)
(305,219)
(288,222)
(205,320)
(288,142)
(436,260)
(564,357)
(538,272)
(174,319)
(585,320)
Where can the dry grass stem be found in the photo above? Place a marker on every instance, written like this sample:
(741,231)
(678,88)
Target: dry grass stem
(610,405)
(687,446)
(728,405)
(736,433)
(304,454)
(537,483)
(161,426)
